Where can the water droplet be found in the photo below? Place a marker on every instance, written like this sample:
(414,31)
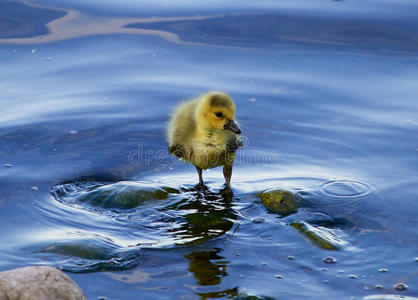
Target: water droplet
(238,254)
(280,276)
(33,51)
(341,271)
(34,187)
(252,99)
(383,270)
(290,257)
(379,286)
(7,165)
(258,220)
(329,260)
(73,131)
(101,298)
(352,276)
(325,281)
(401,286)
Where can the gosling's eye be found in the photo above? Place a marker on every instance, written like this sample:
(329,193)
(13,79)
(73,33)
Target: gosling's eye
(219,114)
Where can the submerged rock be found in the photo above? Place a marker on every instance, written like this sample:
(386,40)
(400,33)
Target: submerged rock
(125,195)
(78,256)
(322,237)
(39,282)
(280,201)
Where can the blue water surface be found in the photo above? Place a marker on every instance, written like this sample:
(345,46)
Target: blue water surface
(327,100)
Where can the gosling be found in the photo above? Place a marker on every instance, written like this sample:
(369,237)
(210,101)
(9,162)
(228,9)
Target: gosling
(202,131)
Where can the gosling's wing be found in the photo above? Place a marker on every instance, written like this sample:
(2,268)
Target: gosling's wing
(182,124)
(233,144)
(177,150)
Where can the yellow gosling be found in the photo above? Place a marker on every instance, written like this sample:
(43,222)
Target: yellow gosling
(202,131)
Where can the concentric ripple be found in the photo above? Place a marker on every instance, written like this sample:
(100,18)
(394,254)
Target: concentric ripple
(345,189)
(340,192)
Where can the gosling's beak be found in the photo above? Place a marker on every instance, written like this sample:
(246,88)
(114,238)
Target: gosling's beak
(232,126)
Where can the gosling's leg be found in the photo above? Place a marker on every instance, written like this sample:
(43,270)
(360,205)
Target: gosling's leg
(227,174)
(199,172)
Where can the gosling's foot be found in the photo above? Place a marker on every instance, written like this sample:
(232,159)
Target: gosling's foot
(201,187)
(227,193)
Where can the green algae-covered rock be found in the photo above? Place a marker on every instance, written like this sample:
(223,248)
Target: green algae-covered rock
(90,255)
(76,250)
(322,237)
(280,201)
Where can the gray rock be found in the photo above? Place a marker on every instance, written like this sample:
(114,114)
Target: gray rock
(38,282)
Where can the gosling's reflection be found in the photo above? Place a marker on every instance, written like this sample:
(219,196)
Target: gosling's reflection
(208,267)
(206,215)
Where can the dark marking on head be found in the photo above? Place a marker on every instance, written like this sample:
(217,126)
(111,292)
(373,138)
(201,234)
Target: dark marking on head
(220,100)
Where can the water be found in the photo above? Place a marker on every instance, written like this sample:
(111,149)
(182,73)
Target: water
(326,99)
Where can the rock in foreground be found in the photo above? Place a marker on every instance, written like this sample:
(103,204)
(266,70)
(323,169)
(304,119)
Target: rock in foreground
(38,282)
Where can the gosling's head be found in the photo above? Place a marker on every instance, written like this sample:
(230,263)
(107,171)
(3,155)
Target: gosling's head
(216,111)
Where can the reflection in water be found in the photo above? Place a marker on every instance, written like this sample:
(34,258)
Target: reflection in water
(283,30)
(227,293)
(208,215)
(75,24)
(19,20)
(206,267)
